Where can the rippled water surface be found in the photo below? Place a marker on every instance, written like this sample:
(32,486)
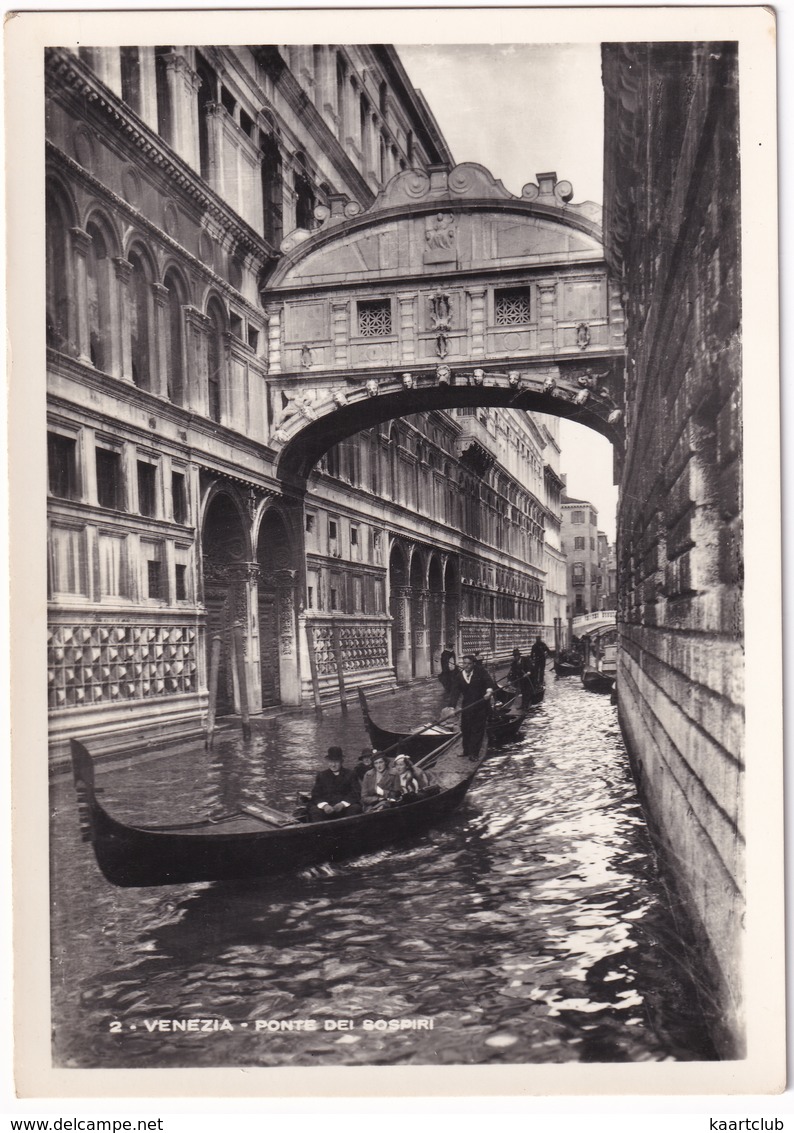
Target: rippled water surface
(531,927)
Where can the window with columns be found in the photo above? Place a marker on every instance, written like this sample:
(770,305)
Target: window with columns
(215,359)
(58,276)
(206,98)
(272,191)
(341,97)
(175,379)
(163,91)
(139,322)
(130,60)
(304,201)
(100,289)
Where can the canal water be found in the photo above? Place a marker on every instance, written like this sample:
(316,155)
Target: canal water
(533,927)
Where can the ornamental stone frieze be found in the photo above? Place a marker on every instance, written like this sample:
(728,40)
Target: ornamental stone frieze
(445,285)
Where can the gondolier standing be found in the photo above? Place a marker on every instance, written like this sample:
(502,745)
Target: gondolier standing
(474,688)
(537,656)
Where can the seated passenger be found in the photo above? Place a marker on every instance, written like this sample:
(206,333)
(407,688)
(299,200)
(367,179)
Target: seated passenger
(410,780)
(379,786)
(336,792)
(364,763)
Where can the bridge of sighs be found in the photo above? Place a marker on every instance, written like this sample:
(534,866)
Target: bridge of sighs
(449,292)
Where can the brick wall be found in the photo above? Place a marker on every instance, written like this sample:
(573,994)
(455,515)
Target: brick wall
(672,230)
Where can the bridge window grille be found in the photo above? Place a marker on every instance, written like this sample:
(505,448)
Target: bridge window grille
(374,318)
(511,306)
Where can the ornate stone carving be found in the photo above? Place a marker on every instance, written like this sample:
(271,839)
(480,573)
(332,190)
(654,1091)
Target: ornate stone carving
(103,664)
(440,239)
(441,318)
(372,388)
(583,335)
(443,375)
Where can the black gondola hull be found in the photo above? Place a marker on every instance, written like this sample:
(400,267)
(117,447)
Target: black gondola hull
(131,856)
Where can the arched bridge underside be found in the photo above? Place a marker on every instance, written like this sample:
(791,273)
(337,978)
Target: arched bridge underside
(449,292)
(301,451)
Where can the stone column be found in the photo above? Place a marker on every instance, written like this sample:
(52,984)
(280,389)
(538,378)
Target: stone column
(148,87)
(197,328)
(400,603)
(159,383)
(289,676)
(215,113)
(477,323)
(340,324)
(273,339)
(407,330)
(546,322)
(81,244)
(419,603)
(325,84)
(123,273)
(183,84)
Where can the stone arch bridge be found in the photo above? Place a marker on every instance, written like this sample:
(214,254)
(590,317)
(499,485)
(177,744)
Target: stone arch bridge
(448,292)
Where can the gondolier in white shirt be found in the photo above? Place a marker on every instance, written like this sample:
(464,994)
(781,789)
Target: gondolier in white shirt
(475,687)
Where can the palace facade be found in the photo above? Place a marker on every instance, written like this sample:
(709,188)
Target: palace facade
(173,176)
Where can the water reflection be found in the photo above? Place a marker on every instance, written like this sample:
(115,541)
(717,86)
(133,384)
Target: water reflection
(531,927)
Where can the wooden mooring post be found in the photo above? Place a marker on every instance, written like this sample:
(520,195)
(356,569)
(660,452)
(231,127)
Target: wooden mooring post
(215,664)
(336,645)
(242,681)
(313,667)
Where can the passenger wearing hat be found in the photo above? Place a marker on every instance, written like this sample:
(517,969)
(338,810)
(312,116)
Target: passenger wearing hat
(336,792)
(364,763)
(410,780)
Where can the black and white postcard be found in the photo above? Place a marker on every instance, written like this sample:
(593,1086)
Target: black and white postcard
(395,544)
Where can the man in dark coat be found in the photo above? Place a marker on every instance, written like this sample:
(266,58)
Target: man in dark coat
(336,792)
(443,660)
(520,676)
(475,691)
(537,656)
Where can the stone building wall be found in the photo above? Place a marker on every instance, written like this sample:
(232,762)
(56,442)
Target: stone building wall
(672,241)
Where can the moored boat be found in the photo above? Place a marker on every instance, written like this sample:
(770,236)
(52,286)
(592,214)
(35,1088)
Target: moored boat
(568,665)
(259,842)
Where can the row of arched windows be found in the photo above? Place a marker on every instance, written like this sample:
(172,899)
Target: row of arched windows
(116,312)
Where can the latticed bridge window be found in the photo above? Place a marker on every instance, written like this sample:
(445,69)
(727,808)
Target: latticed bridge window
(374,318)
(512,306)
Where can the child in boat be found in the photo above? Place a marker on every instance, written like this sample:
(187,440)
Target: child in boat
(379,787)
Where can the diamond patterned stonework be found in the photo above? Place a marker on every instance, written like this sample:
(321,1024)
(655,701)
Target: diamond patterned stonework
(102,664)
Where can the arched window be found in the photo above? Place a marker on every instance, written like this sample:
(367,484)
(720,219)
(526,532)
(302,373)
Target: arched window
(207,95)
(304,202)
(364,117)
(99,286)
(139,322)
(130,58)
(341,97)
(58,276)
(272,191)
(163,91)
(215,360)
(175,350)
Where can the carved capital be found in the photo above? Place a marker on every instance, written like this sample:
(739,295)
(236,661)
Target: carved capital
(123,269)
(81,241)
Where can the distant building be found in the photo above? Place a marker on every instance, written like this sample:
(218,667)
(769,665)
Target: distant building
(580,545)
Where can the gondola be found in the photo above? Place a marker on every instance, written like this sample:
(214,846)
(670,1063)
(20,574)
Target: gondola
(564,668)
(259,842)
(503,725)
(596,681)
